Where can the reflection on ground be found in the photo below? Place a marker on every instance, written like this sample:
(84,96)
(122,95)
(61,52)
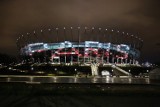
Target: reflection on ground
(65,79)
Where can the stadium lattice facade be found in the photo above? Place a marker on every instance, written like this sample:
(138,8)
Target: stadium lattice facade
(81,46)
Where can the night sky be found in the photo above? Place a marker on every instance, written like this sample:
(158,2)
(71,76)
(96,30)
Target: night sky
(138,17)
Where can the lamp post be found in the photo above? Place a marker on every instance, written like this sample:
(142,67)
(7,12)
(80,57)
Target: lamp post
(34,34)
(111,39)
(91,45)
(28,38)
(57,34)
(106,49)
(126,60)
(55,69)
(41,35)
(92,33)
(117,41)
(103,47)
(75,71)
(98,44)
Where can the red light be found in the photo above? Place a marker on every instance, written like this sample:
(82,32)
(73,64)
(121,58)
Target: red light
(39,50)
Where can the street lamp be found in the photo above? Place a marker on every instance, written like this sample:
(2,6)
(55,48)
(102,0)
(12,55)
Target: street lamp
(112,70)
(129,70)
(57,34)
(75,71)
(55,69)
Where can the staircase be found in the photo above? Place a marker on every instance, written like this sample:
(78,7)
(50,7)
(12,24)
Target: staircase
(119,72)
(94,69)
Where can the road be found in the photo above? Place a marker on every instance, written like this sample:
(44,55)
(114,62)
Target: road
(72,79)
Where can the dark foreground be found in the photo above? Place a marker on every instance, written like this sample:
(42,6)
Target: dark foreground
(78,95)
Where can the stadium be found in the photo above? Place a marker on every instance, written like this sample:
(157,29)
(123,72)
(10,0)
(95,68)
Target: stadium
(79,45)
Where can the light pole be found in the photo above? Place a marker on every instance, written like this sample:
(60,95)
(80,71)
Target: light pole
(99,31)
(57,34)
(55,69)
(49,32)
(98,44)
(91,50)
(117,41)
(121,60)
(41,34)
(34,34)
(92,33)
(103,47)
(75,71)
(117,60)
(111,40)
(28,38)
(126,60)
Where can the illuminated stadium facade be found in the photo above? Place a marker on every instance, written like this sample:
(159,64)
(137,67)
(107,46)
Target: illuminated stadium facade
(83,46)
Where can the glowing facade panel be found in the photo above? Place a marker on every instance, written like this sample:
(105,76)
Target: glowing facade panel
(83,48)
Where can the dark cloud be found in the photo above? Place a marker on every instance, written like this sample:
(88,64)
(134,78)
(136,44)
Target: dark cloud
(140,17)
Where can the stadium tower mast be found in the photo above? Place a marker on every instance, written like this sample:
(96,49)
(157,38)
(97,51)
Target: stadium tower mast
(78,42)
(72,46)
(65,45)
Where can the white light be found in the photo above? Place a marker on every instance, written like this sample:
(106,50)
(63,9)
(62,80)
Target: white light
(106,29)
(85,27)
(92,27)
(112,30)
(34,44)
(99,28)
(78,27)
(64,28)
(71,27)
(56,28)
